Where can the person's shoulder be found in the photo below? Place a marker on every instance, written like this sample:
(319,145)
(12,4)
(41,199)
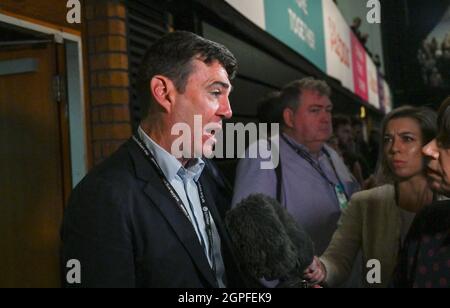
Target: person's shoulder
(377,195)
(112,188)
(260,155)
(115,172)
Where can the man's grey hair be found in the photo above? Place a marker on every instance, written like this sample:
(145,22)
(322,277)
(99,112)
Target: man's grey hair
(291,93)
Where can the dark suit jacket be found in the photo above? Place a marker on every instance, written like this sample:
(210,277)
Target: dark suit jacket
(126,230)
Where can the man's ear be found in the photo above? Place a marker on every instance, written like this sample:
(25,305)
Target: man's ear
(288,117)
(163,91)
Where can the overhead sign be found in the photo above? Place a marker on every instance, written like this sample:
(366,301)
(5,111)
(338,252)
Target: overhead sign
(317,30)
(253,10)
(298,24)
(338,45)
(372,81)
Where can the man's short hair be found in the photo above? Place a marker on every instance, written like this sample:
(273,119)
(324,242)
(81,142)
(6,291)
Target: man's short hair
(291,93)
(443,137)
(172,55)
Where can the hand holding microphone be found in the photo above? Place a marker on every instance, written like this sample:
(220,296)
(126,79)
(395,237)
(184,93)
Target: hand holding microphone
(315,273)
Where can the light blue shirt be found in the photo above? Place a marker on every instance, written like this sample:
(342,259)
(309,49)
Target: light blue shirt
(307,196)
(184,180)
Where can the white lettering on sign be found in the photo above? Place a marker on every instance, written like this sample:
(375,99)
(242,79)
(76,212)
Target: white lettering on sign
(303,5)
(301,29)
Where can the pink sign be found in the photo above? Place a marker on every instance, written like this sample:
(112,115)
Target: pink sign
(359,68)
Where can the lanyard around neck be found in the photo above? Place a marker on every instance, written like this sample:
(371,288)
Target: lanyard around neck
(307,157)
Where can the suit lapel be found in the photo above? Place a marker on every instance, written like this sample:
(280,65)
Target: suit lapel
(182,227)
(230,261)
(212,206)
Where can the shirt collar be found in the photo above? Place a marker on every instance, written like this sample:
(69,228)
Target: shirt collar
(169,165)
(301,146)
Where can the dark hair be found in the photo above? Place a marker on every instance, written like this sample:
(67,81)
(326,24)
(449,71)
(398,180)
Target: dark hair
(291,93)
(172,56)
(340,120)
(425,117)
(443,137)
(269,109)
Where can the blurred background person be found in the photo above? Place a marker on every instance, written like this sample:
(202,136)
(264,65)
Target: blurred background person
(333,142)
(342,128)
(378,220)
(361,147)
(374,149)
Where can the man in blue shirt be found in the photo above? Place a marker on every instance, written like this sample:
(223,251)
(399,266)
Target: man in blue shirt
(311,181)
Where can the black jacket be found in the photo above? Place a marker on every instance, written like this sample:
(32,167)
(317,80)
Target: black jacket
(424,259)
(126,230)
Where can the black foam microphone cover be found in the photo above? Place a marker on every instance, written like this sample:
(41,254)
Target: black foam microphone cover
(269,243)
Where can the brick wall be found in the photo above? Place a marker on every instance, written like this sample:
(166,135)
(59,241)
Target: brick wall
(108,75)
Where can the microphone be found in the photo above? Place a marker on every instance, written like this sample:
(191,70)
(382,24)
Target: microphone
(268,242)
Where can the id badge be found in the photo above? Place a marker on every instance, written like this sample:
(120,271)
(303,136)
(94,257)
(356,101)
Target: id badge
(342,198)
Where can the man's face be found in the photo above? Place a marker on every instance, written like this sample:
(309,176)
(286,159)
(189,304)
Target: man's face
(312,120)
(206,95)
(438,170)
(344,134)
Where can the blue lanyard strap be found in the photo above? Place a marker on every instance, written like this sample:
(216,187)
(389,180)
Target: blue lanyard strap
(307,157)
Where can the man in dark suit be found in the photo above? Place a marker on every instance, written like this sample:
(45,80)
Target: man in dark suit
(147,216)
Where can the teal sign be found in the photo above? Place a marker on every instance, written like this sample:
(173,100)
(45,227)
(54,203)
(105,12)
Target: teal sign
(298,24)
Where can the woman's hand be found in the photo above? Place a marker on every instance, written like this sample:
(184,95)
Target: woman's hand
(315,273)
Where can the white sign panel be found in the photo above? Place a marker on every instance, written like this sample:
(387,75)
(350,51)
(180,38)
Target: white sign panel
(372,80)
(252,9)
(338,45)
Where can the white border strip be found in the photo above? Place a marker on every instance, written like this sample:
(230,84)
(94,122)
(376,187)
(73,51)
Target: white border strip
(32,26)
